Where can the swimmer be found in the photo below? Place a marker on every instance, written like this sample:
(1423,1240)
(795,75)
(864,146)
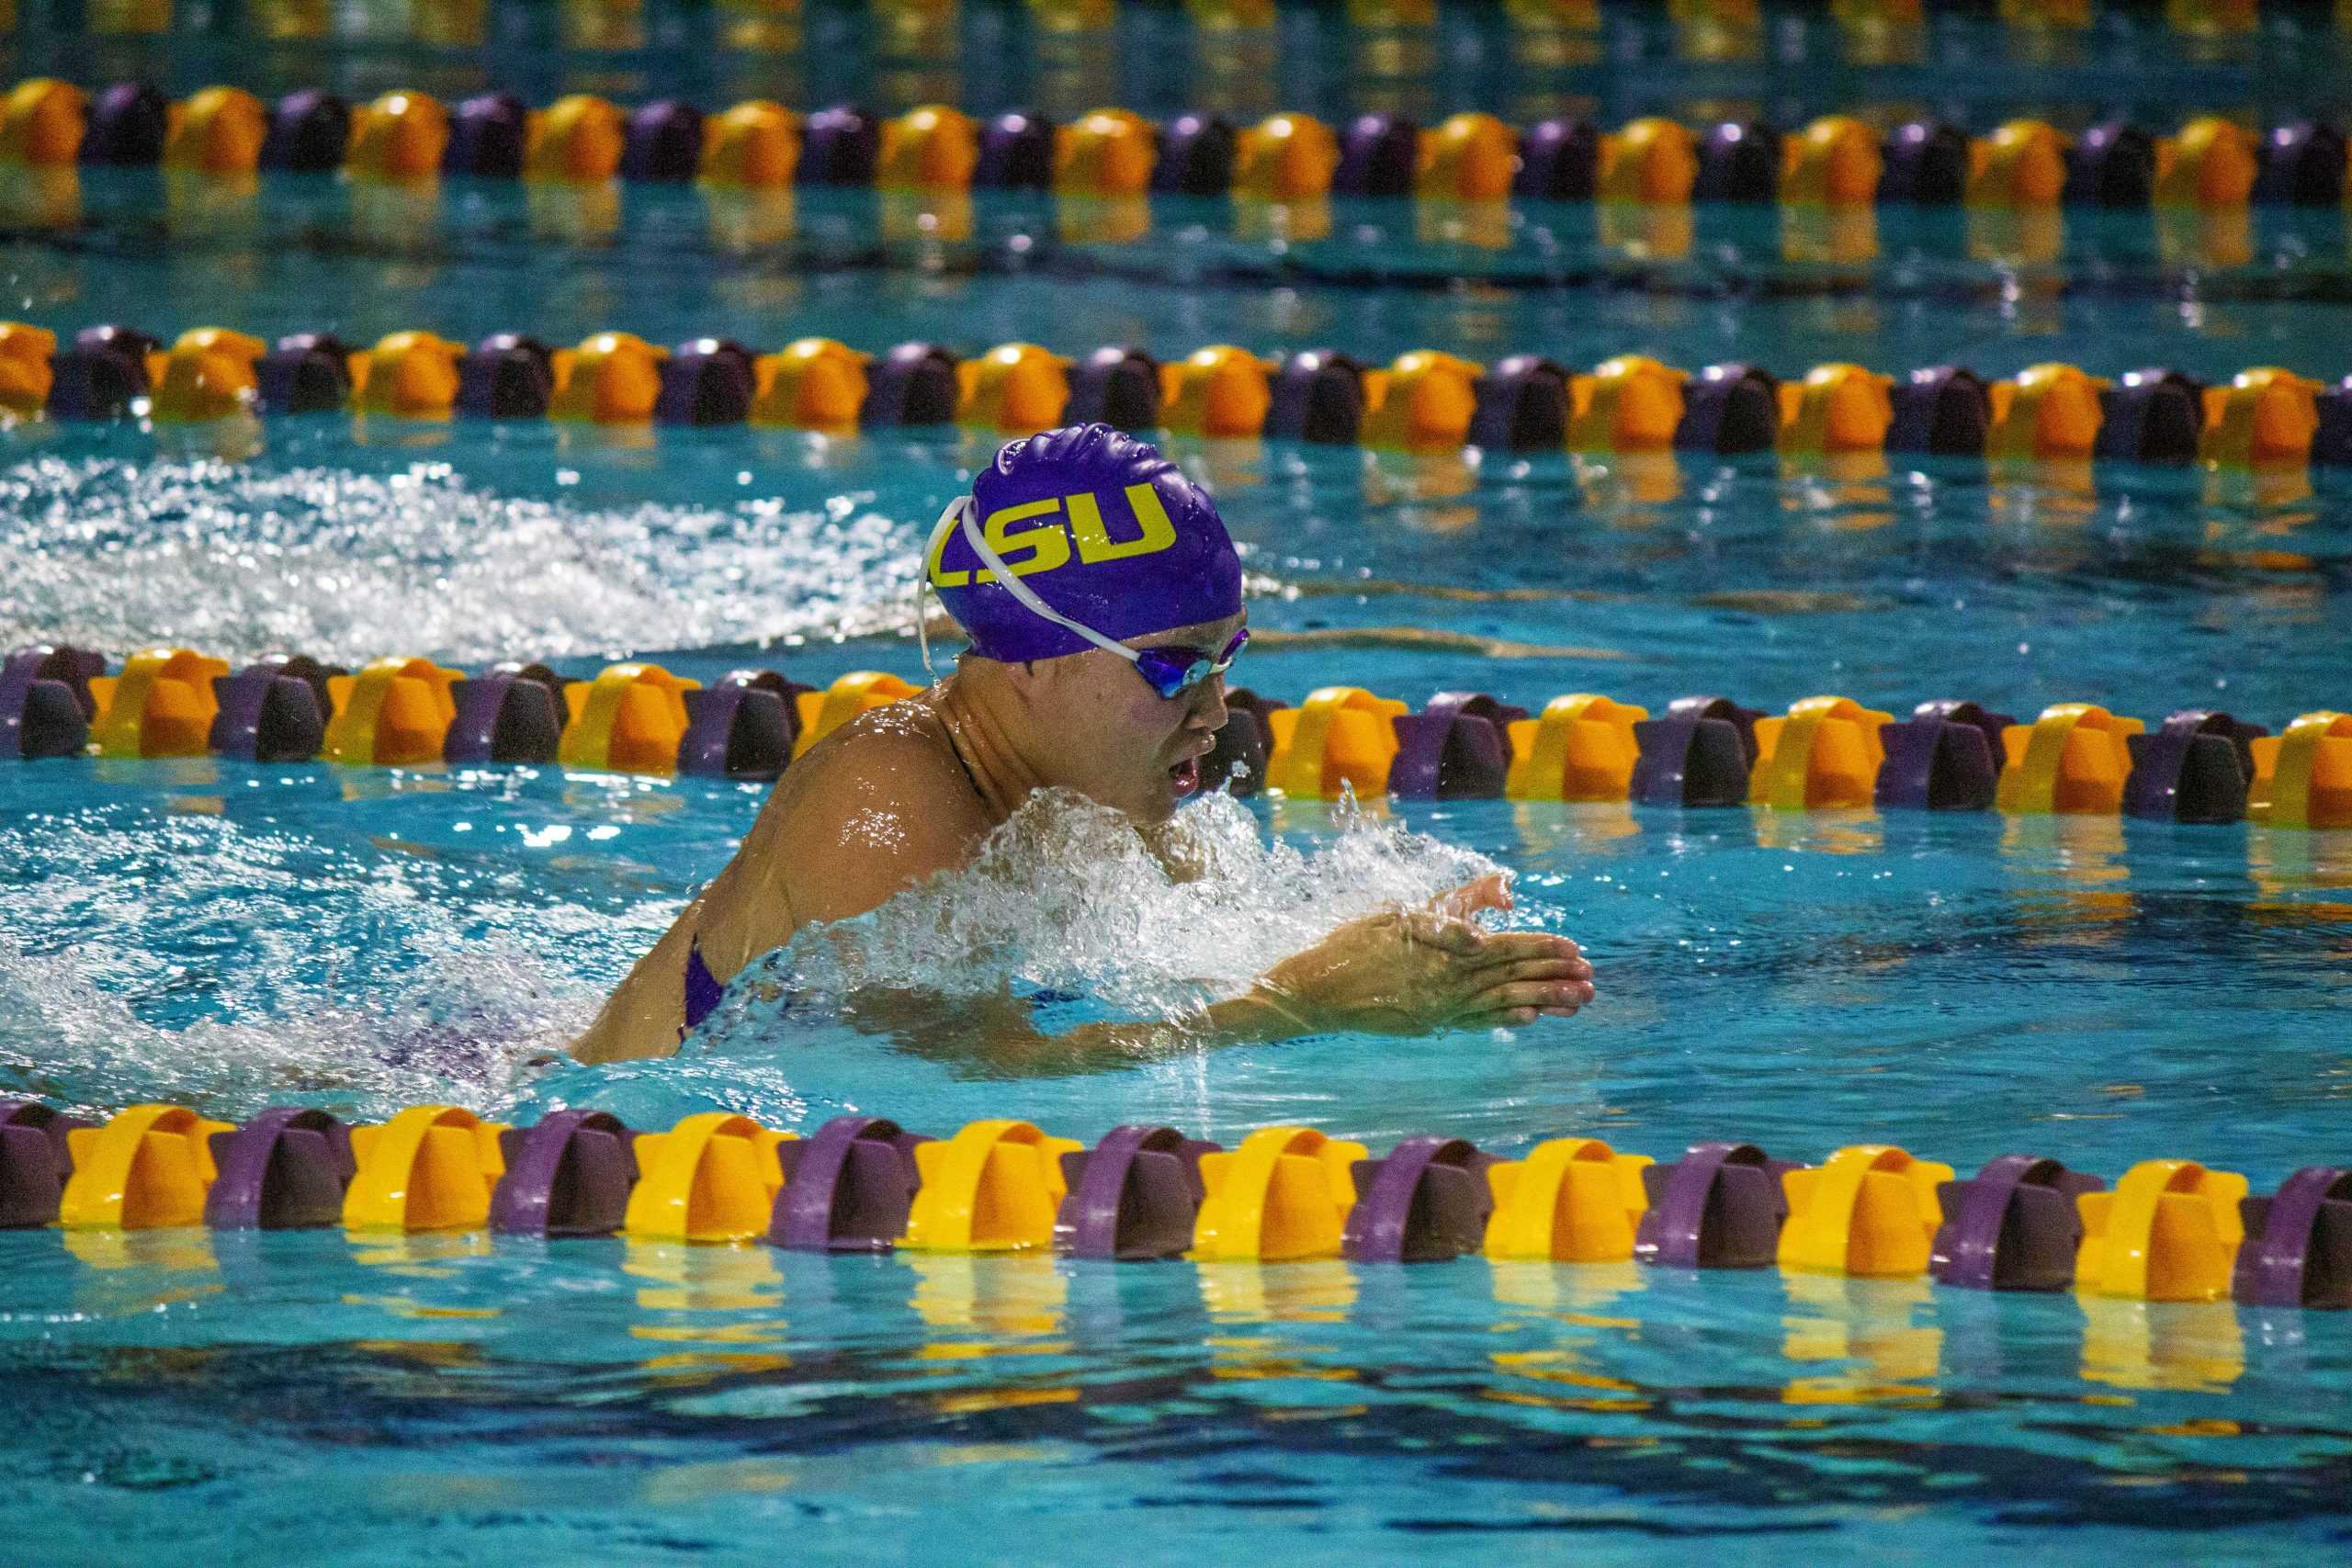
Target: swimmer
(1102,599)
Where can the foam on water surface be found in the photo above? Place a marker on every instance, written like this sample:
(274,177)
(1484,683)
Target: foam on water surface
(351,563)
(1068,898)
(192,959)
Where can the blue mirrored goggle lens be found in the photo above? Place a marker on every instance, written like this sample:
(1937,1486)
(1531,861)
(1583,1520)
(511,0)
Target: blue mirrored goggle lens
(1171,672)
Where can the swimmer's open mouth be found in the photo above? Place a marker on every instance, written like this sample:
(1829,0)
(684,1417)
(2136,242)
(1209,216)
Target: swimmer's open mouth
(1185,778)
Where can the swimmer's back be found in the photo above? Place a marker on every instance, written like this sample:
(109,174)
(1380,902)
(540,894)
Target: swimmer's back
(875,808)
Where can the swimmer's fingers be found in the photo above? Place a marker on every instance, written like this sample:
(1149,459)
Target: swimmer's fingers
(1560,997)
(1502,948)
(1524,970)
(1491,892)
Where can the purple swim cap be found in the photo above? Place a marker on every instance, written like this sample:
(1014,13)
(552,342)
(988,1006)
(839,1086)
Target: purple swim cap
(1100,526)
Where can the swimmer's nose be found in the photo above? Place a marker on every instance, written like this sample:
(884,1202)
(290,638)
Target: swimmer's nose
(1212,709)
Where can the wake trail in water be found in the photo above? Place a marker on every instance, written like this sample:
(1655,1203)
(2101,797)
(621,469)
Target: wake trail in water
(187,959)
(241,559)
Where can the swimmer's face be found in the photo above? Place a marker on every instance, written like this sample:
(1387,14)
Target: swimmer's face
(1118,742)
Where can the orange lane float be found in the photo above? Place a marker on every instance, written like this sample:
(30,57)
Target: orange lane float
(1340,739)
(2303,777)
(394,713)
(1016,389)
(1283,1195)
(408,375)
(2072,760)
(815,384)
(1580,748)
(1825,752)
(162,704)
(399,137)
(630,719)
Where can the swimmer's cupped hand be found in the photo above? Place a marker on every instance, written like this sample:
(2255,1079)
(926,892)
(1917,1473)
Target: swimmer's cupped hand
(1417,970)
(1489,892)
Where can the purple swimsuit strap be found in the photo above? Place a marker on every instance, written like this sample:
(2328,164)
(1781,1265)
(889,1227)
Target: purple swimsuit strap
(702,989)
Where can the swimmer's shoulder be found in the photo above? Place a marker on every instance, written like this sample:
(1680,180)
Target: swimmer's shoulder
(904,743)
(876,806)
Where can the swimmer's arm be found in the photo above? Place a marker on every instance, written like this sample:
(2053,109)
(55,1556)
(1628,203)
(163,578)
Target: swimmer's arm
(870,815)
(647,1008)
(898,809)
(1000,1034)
(1402,972)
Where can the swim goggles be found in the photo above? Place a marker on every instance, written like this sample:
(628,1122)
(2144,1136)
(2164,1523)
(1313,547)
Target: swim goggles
(1171,672)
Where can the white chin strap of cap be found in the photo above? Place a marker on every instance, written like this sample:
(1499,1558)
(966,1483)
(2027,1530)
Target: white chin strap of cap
(961,513)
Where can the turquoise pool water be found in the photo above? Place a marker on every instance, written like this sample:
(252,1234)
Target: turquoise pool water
(233,936)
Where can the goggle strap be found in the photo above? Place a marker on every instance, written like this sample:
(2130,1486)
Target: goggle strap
(1026,597)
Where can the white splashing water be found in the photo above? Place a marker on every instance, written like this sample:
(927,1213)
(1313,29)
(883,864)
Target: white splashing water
(297,972)
(239,561)
(1067,897)
(355,985)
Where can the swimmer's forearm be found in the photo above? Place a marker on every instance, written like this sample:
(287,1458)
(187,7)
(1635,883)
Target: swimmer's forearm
(1001,1031)
(1256,1019)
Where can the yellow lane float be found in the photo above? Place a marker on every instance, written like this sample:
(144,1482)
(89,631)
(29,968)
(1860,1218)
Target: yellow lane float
(1631,403)
(2074,759)
(823,712)
(218,131)
(814,384)
(2170,1231)
(1015,388)
(1571,1201)
(753,146)
(577,140)
(1286,157)
(1283,1194)
(431,1167)
(1341,737)
(1869,1210)
(2046,410)
(148,1167)
(1825,752)
(400,137)
(994,1187)
(712,1178)
(408,375)
(208,374)
(1215,391)
(1580,748)
(2303,777)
